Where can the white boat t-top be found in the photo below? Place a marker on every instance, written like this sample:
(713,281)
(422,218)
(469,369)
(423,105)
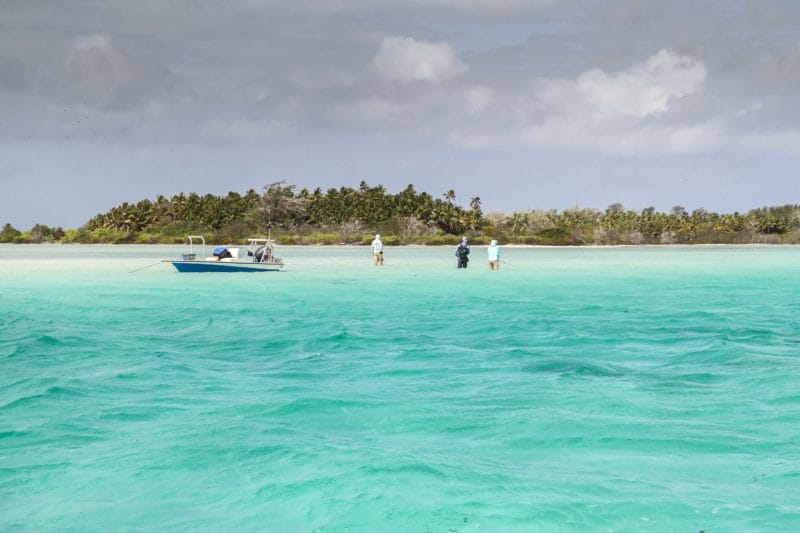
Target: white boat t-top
(259,257)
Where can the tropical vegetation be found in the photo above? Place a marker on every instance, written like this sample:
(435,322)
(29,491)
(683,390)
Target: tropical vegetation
(352,216)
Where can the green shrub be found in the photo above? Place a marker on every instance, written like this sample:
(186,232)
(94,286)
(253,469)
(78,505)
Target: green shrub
(288,239)
(554,236)
(321,238)
(106,236)
(480,240)
(237,232)
(791,237)
(438,240)
(146,238)
(24,237)
(127,237)
(9,233)
(388,240)
(366,238)
(182,230)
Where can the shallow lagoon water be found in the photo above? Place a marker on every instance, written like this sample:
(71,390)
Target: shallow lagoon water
(576,389)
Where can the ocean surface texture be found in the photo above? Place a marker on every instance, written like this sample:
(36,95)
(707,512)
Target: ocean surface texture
(620,389)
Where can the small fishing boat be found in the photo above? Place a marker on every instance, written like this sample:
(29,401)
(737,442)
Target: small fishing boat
(257,258)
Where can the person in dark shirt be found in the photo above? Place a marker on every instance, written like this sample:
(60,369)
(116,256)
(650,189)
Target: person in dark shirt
(462,253)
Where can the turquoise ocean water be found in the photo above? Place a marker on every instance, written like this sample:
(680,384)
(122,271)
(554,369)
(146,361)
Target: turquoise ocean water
(622,389)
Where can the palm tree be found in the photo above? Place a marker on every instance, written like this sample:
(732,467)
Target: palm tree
(475,216)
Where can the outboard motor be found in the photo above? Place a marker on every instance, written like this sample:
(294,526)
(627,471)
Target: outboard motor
(260,251)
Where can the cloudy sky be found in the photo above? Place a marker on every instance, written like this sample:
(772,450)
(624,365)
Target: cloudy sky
(526,103)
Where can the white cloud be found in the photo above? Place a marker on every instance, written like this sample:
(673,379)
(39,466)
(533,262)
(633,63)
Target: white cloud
(622,113)
(646,89)
(405,59)
(629,113)
(478,99)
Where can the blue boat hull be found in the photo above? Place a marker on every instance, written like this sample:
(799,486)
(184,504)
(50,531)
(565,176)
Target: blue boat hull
(209,266)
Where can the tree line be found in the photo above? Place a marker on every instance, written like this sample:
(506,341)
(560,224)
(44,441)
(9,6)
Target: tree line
(352,215)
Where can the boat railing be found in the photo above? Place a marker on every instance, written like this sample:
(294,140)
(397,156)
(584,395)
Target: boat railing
(192,254)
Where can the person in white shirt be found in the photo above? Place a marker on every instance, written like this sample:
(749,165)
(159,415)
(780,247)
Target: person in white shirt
(493,252)
(377,251)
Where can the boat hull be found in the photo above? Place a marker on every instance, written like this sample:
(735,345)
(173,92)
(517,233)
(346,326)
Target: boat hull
(214,266)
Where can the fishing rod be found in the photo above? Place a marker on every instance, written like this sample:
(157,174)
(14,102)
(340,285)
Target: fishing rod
(142,268)
(507,262)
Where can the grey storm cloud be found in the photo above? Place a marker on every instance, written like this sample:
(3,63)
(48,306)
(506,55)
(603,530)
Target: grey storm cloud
(96,72)
(349,64)
(544,84)
(15,74)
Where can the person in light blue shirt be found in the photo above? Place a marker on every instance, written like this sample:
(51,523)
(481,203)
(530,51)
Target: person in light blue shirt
(493,253)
